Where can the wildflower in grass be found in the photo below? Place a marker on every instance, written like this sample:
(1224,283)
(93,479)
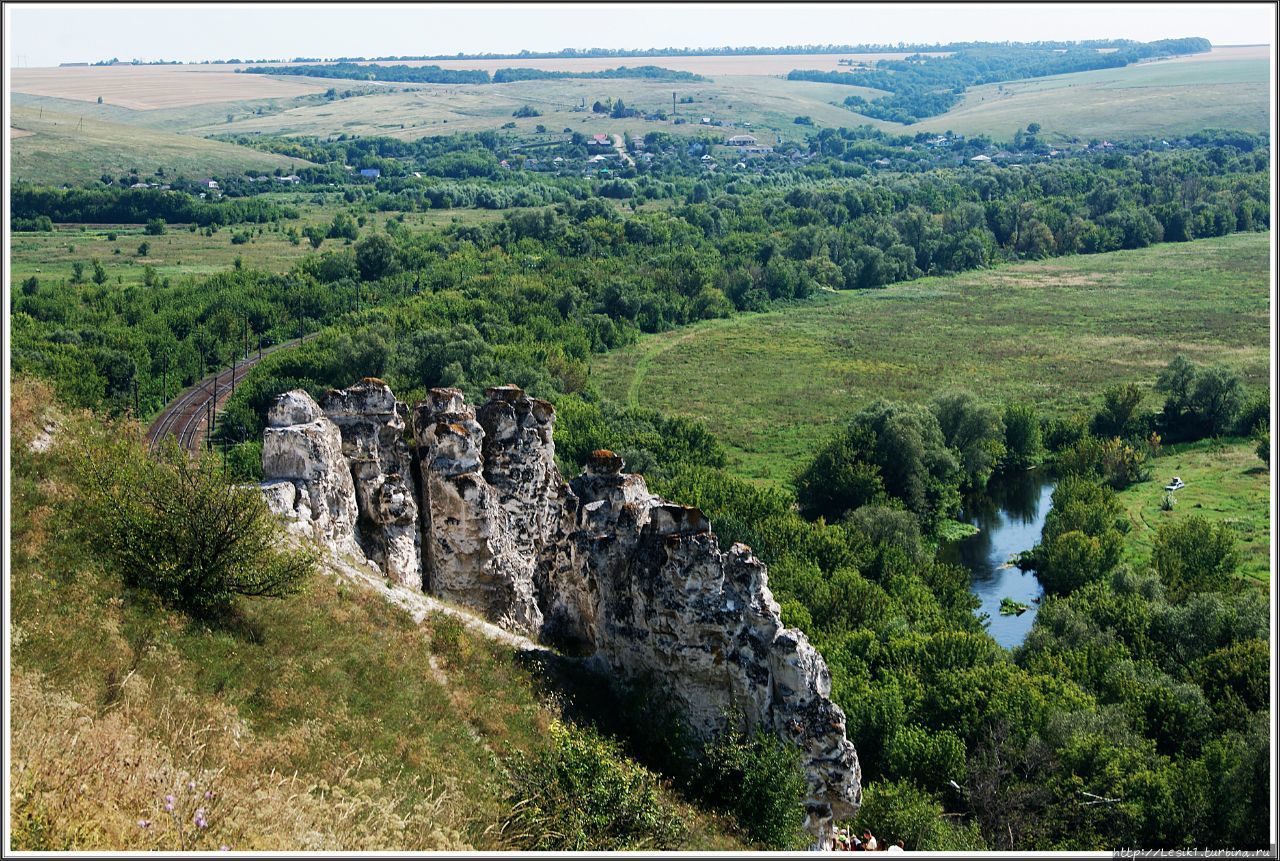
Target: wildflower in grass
(224,848)
(144,823)
(168,803)
(201,822)
(192,786)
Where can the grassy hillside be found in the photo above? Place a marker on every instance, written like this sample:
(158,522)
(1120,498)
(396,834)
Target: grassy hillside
(1225,482)
(63,150)
(1053,333)
(328,720)
(1227,88)
(434,109)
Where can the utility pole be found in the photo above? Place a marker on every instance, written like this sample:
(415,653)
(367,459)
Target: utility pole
(136,414)
(164,391)
(246,336)
(233,375)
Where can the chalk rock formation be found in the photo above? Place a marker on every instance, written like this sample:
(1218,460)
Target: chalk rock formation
(601,563)
(372,425)
(307,477)
(671,608)
(471,555)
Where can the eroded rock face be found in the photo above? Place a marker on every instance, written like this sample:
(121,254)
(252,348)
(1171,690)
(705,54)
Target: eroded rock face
(473,556)
(600,563)
(307,478)
(671,608)
(372,424)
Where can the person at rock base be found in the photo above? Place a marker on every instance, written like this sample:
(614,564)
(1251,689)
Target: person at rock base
(868,841)
(896,847)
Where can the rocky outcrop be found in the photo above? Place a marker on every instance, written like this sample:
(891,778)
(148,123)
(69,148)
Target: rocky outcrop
(639,583)
(372,425)
(307,478)
(671,608)
(472,557)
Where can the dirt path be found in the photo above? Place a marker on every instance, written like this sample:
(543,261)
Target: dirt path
(622,151)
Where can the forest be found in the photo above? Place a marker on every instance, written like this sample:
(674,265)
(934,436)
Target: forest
(1142,685)
(584,266)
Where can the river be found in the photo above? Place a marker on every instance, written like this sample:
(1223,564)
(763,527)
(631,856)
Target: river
(1009,517)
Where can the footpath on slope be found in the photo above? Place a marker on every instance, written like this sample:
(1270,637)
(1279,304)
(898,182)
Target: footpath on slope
(419,604)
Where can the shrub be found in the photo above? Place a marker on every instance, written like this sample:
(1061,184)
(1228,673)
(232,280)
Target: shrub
(155,227)
(896,810)
(759,780)
(582,794)
(180,528)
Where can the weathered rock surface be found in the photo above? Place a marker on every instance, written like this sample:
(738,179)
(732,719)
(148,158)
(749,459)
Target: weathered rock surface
(303,449)
(601,563)
(669,607)
(372,425)
(472,556)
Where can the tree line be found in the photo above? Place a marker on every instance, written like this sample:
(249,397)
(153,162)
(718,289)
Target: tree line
(922,86)
(438,75)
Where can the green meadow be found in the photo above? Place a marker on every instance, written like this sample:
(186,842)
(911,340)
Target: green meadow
(1225,482)
(1052,333)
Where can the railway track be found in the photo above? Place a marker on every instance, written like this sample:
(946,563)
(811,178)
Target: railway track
(187,417)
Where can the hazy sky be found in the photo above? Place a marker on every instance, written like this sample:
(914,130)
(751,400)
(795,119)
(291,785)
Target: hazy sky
(38,35)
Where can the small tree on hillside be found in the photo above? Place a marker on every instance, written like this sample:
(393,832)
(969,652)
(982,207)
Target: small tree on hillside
(177,526)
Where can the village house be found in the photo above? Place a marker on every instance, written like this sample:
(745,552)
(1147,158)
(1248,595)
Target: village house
(742,140)
(370,172)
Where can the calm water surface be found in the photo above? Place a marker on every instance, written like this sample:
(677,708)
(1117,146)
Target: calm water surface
(1009,517)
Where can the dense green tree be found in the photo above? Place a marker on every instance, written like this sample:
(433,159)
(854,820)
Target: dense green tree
(1193,554)
(375,256)
(975,431)
(888,449)
(1023,442)
(1117,416)
(1081,540)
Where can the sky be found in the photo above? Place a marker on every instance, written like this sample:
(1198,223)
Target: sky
(46,35)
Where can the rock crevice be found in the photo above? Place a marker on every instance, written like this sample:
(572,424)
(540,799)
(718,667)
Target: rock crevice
(468,505)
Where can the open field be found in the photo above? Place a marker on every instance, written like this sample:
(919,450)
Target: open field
(178,253)
(1226,88)
(149,87)
(1226,482)
(1053,333)
(60,149)
(711,66)
(436,109)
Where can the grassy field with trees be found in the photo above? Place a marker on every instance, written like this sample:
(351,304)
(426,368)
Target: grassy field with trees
(1050,333)
(1224,88)
(821,314)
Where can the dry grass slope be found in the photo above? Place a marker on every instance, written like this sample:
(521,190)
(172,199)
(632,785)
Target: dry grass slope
(78,149)
(326,721)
